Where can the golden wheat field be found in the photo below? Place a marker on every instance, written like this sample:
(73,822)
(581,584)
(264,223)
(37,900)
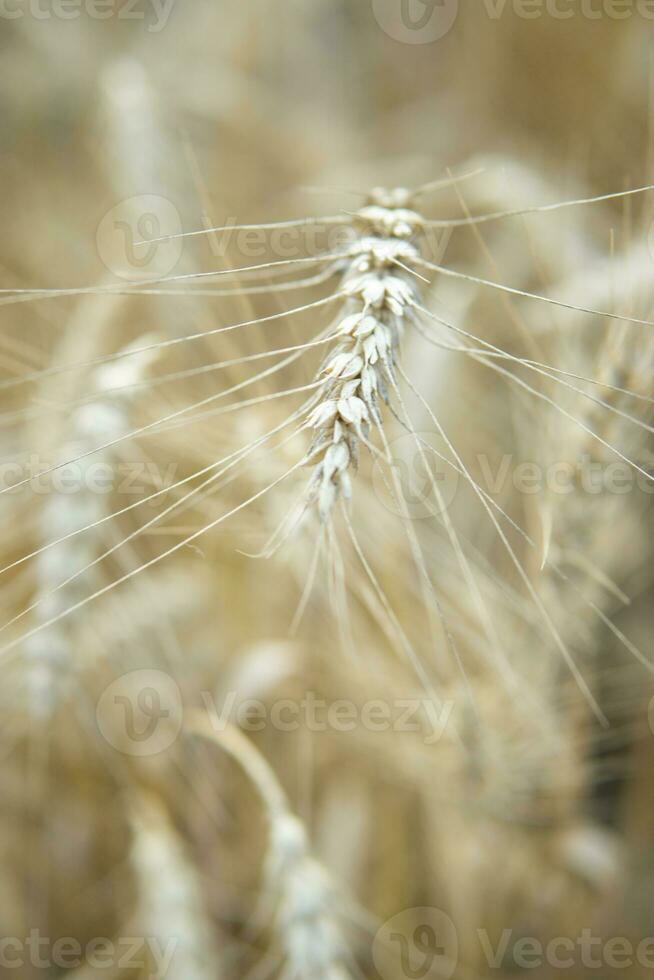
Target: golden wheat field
(326,481)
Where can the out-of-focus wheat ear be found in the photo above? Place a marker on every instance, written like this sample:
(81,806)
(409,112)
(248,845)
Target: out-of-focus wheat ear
(102,418)
(172,916)
(307,924)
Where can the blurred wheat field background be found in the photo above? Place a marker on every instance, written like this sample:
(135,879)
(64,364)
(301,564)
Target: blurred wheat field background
(271,710)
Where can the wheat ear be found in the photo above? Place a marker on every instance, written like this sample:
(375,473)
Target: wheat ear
(306,922)
(104,419)
(378,295)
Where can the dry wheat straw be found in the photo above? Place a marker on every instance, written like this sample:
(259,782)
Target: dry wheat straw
(307,920)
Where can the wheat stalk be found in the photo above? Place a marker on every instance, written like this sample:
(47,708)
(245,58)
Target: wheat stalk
(306,920)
